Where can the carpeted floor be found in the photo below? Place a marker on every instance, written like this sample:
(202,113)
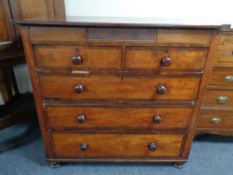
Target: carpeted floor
(210,155)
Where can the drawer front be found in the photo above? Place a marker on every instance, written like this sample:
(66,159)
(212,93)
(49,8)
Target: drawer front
(57,34)
(117,118)
(113,87)
(216,119)
(165,58)
(78,57)
(116,145)
(184,36)
(222,98)
(222,78)
(225,53)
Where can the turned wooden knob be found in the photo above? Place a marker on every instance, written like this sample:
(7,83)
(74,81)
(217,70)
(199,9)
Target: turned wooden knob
(166,61)
(81,118)
(161,89)
(77,59)
(152,146)
(157,119)
(79,88)
(83,146)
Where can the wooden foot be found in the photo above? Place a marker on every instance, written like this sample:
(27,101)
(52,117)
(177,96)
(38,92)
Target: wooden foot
(54,164)
(179,165)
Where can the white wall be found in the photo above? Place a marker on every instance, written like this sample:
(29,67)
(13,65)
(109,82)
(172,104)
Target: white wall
(208,10)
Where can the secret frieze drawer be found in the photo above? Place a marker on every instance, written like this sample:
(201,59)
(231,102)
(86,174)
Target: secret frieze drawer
(118,145)
(117,118)
(112,57)
(109,87)
(48,35)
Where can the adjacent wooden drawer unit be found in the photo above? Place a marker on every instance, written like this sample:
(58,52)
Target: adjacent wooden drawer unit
(217,109)
(118,92)
(117,145)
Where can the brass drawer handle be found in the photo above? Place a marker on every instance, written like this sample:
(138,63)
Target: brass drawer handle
(81,118)
(152,146)
(216,120)
(79,88)
(84,146)
(222,99)
(229,78)
(166,61)
(157,119)
(161,89)
(77,59)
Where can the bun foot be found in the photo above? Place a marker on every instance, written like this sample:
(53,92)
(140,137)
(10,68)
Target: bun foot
(54,164)
(179,165)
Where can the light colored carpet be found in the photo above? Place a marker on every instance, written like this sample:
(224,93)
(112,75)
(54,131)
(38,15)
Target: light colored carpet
(210,155)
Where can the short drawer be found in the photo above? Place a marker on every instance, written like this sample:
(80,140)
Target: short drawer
(222,98)
(78,57)
(225,53)
(153,58)
(115,88)
(222,78)
(117,118)
(216,119)
(96,145)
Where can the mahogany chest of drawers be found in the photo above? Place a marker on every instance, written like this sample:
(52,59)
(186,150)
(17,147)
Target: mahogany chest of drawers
(119,92)
(216,116)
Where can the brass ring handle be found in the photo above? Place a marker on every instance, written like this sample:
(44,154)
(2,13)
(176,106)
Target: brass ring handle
(157,119)
(216,120)
(161,89)
(84,146)
(222,99)
(77,59)
(79,88)
(166,61)
(152,146)
(81,118)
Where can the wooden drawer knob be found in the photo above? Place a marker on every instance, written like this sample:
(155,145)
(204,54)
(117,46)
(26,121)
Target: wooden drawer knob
(77,59)
(83,146)
(152,146)
(81,118)
(161,89)
(79,88)
(157,119)
(216,120)
(222,99)
(166,61)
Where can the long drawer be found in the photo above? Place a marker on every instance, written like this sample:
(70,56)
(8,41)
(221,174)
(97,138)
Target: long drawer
(114,88)
(75,145)
(116,118)
(78,57)
(216,119)
(182,59)
(220,98)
